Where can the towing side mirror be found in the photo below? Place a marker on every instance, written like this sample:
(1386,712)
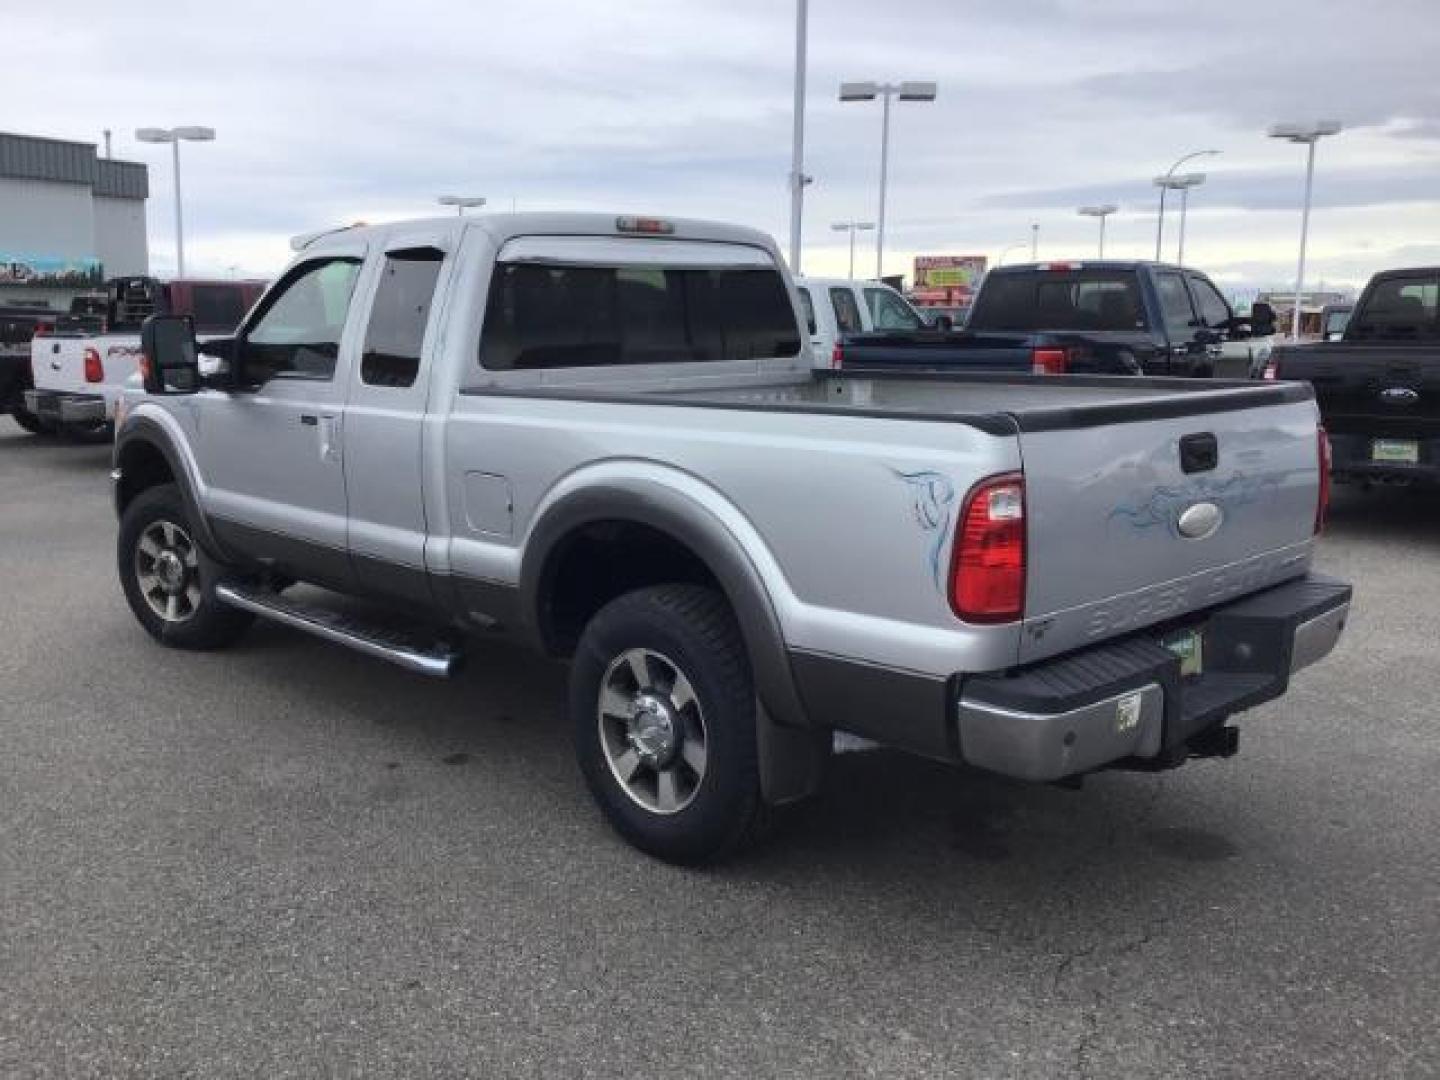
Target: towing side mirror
(168,362)
(1262,319)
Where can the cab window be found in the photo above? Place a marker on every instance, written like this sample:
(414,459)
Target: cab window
(1214,312)
(398,318)
(297,335)
(889,312)
(808,306)
(847,312)
(1175,307)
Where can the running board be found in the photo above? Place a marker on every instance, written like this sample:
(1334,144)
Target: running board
(437,659)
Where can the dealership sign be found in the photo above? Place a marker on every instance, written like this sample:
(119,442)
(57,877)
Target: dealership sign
(947,280)
(49,271)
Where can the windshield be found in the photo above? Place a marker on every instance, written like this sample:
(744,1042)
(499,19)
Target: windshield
(1060,300)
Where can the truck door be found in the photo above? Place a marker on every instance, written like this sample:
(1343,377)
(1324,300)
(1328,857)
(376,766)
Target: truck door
(1182,326)
(385,421)
(272,449)
(1228,359)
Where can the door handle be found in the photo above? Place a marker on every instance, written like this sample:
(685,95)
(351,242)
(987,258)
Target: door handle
(309,420)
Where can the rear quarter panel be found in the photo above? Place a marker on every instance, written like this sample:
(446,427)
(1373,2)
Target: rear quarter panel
(848,520)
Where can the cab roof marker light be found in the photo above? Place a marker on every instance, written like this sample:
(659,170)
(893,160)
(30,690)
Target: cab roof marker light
(649,226)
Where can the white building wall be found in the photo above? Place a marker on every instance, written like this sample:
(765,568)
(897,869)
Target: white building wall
(120,238)
(40,217)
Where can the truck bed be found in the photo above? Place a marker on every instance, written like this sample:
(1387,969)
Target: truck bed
(1029,402)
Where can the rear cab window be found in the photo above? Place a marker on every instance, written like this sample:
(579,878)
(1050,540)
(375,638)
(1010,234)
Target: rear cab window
(1081,299)
(807,305)
(593,302)
(1401,308)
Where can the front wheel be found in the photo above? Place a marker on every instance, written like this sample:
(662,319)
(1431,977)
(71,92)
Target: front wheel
(664,710)
(168,579)
(91,434)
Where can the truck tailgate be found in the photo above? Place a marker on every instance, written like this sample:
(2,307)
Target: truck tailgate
(58,363)
(1123,533)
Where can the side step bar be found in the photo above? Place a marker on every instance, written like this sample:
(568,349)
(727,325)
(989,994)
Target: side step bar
(437,660)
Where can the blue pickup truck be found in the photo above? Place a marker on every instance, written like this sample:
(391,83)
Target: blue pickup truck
(1084,318)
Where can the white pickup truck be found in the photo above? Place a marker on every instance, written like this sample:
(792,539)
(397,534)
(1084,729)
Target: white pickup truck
(602,437)
(78,376)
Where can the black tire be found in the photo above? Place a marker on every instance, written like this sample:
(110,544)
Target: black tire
(199,620)
(102,431)
(28,421)
(694,629)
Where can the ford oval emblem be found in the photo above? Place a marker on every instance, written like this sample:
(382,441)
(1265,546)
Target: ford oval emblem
(1200,521)
(1399,395)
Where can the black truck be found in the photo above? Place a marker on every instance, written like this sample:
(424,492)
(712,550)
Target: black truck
(1090,318)
(1379,385)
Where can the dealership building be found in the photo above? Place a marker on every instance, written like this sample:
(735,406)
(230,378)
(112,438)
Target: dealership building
(69,219)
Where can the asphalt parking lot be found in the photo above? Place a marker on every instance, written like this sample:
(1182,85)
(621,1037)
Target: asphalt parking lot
(288,860)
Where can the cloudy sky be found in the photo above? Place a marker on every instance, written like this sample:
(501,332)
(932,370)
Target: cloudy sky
(333,112)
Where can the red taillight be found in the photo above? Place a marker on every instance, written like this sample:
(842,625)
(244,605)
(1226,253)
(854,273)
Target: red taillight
(837,357)
(43,328)
(1322,502)
(1049,361)
(987,573)
(94,369)
(146,369)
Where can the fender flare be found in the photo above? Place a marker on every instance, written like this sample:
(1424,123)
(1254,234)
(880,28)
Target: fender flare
(792,747)
(143,431)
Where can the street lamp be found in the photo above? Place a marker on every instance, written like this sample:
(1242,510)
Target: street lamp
(1182,183)
(869,91)
(1309,135)
(852,227)
(798,179)
(1102,212)
(174,136)
(1169,173)
(1034,241)
(460,202)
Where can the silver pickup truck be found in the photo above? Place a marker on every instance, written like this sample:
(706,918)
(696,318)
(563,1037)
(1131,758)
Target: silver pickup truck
(603,437)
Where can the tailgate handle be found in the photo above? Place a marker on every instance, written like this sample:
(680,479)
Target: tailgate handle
(1199,452)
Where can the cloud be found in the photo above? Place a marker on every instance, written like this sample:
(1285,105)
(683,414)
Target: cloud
(327,113)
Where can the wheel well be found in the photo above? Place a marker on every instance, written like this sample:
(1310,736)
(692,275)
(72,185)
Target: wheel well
(142,466)
(600,561)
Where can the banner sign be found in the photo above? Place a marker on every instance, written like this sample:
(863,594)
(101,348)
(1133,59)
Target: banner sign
(948,280)
(45,271)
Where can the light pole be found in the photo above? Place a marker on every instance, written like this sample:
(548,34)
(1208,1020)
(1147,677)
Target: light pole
(1309,134)
(1182,183)
(1102,211)
(460,202)
(869,91)
(1009,248)
(174,136)
(852,227)
(1034,241)
(798,179)
(1170,172)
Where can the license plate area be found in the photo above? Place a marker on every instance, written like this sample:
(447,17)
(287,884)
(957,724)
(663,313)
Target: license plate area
(1395,451)
(1188,644)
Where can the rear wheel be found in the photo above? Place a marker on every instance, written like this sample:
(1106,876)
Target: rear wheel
(664,710)
(28,421)
(168,579)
